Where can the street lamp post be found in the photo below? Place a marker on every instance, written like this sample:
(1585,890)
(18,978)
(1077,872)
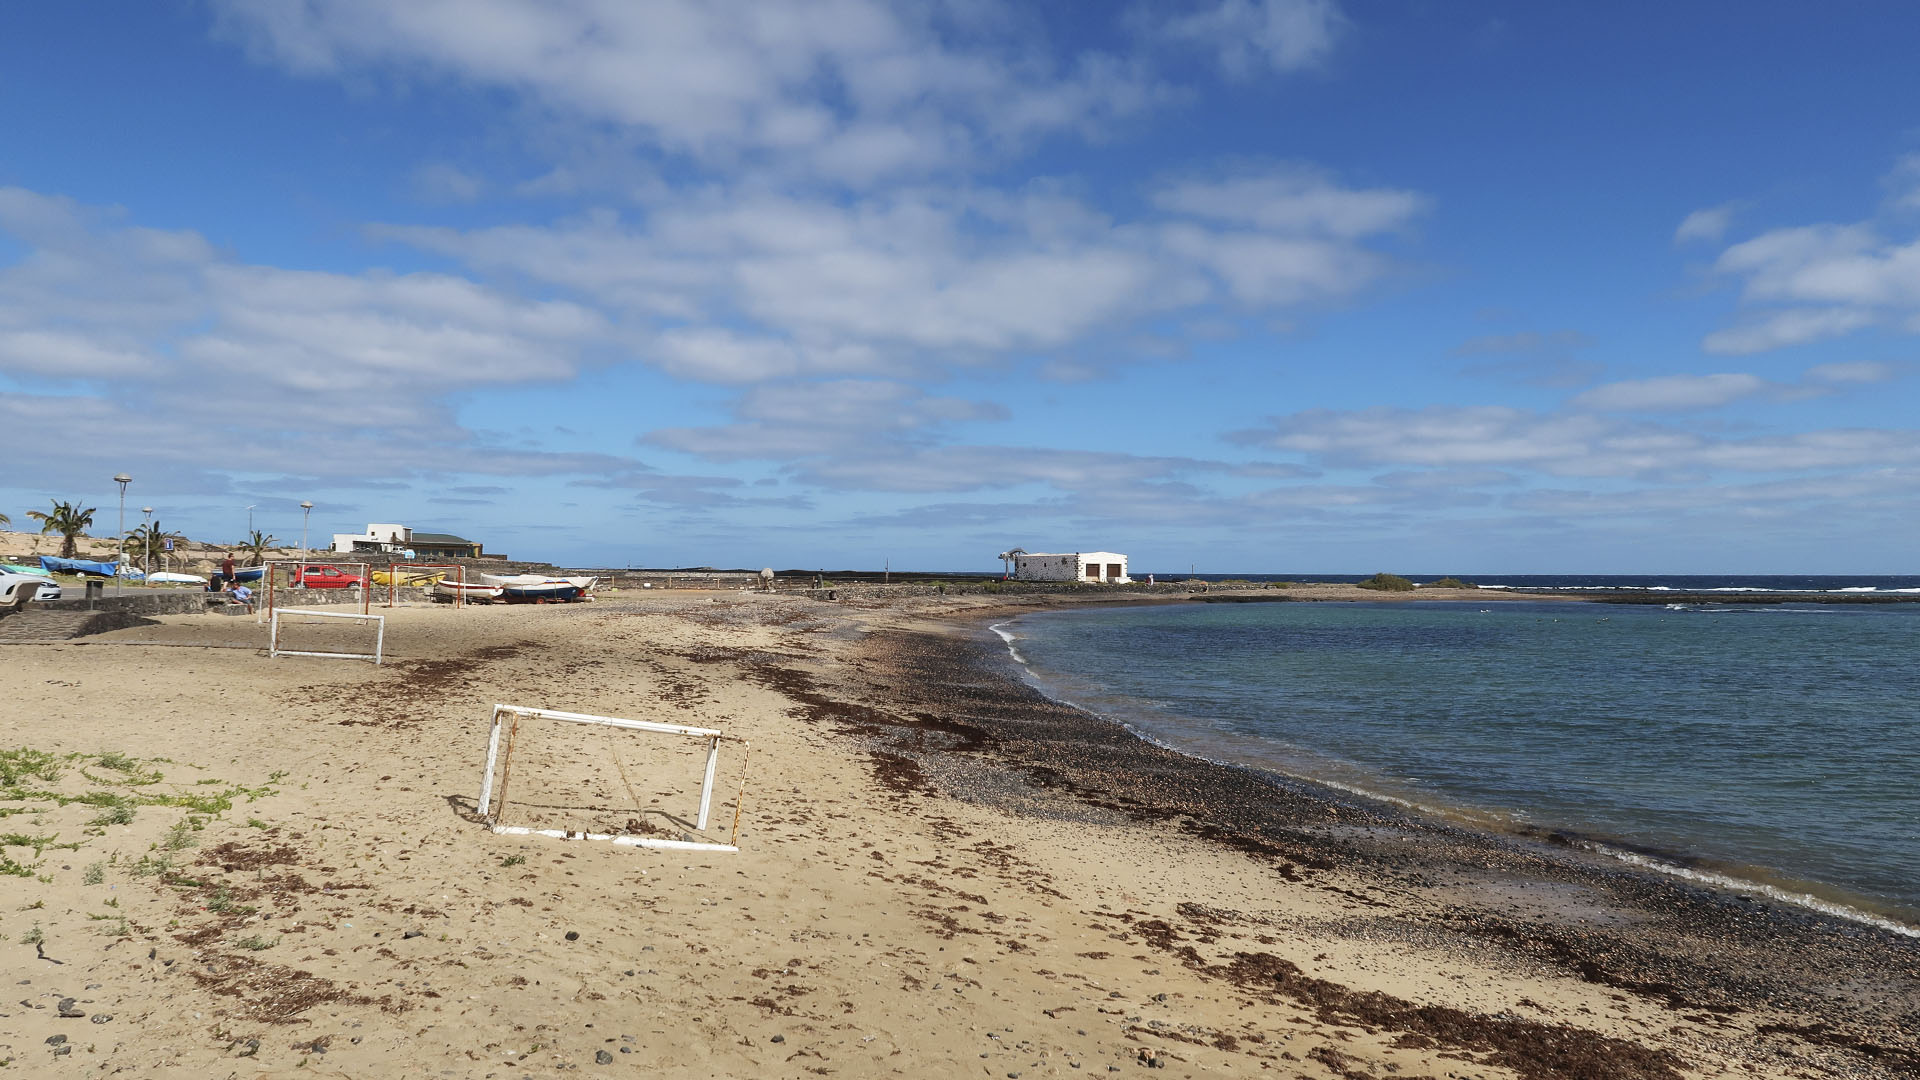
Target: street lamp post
(123,480)
(307,515)
(250,522)
(148,510)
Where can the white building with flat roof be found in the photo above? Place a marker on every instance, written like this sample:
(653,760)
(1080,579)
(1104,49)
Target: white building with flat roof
(1105,566)
(377,538)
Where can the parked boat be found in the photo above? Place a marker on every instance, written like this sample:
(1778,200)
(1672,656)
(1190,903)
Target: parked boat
(539,588)
(408,577)
(471,592)
(176,579)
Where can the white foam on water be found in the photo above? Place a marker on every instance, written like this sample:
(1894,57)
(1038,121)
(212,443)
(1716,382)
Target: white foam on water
(1858,588)
(1008,637)
(1724,881)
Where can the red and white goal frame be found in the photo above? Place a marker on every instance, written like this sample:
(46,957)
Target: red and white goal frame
(395,570)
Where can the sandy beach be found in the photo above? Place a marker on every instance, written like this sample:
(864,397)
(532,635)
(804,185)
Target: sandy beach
(224,864)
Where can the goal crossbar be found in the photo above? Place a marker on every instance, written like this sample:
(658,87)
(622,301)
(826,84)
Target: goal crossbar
(379,637)
(713,736)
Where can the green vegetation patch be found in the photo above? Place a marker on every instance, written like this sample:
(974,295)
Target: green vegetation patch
(1384,582)
(1448,583)
(116,786)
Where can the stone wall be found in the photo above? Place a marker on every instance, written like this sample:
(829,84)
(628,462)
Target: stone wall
(998,588)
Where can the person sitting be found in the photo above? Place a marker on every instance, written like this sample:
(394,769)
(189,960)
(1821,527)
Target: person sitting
(242,595)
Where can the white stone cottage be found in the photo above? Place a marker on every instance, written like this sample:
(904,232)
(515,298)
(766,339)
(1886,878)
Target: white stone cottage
(1103,566)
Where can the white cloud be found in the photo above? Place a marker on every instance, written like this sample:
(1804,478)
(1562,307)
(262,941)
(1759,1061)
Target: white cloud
(1671,393)
(918,279)
(1293,199)
(1792,327)
(855,89)
(64,355)
(784,421)
(1819,282)
(972,468)
(1857,371)
(1707,225)
(440,182)
(171,336)
(1251,35)
(1903,183)
(1563,444)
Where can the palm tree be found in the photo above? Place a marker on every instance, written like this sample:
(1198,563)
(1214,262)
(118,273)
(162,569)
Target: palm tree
(5,520)
(70,520)
(257,546)
(147,541)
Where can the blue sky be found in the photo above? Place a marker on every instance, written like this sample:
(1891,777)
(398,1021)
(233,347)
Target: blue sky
(1255,285)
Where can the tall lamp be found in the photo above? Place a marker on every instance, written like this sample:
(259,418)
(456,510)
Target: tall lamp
(306,516)
(123,480)
(148,510)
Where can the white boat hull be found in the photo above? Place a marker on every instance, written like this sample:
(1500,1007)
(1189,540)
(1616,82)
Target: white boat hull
(471,593)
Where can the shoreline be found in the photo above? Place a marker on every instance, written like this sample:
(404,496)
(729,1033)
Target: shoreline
(1718,874)
(1695,945)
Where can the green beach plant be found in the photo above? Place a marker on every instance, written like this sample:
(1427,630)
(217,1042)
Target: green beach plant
(1448,582)
(1385,582)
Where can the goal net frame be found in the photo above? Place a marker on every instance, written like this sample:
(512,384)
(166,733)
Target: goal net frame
(394,571)
(379,635)
(501,760)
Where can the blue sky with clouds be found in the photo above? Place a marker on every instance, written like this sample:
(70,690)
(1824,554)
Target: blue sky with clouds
(1255,285)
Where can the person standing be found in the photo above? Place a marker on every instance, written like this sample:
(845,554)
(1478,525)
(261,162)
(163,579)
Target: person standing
(226,567)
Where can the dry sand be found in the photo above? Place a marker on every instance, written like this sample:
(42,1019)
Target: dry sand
(940,874)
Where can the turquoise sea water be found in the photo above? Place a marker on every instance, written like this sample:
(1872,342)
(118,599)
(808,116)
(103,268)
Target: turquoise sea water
(1774,746)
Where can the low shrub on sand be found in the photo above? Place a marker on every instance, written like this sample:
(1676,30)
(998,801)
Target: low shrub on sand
(1448,583)
(1385,582)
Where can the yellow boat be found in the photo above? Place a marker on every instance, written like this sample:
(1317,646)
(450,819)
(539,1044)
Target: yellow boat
(408,577)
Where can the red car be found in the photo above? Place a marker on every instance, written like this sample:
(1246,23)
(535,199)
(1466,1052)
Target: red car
(327,577)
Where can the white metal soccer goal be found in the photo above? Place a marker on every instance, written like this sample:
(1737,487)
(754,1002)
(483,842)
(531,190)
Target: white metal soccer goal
(379,634)
(508,721)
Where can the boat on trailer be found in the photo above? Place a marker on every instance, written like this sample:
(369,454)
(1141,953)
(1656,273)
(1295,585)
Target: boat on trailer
(470,592)
(540,588)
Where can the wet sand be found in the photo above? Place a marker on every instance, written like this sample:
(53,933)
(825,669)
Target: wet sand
(942,873)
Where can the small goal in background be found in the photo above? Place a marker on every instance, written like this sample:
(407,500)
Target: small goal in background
(576,776)
(333,635)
